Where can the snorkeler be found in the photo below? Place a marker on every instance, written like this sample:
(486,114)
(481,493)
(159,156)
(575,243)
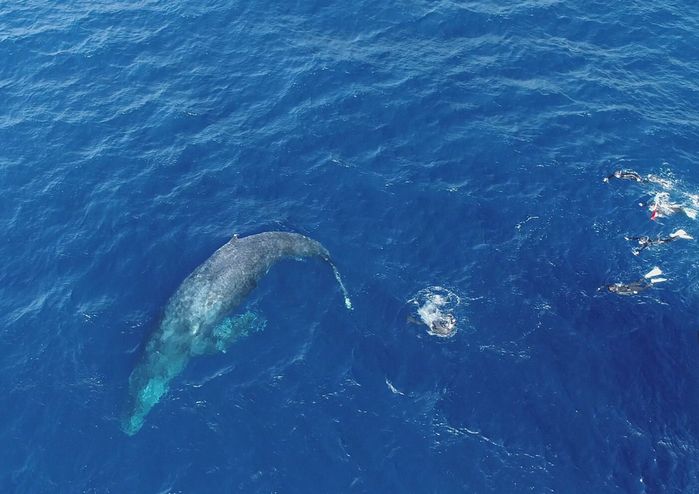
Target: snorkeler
(445,325)
(636,177)
(644,241)
(637,286)
(625,175)
(434,309)
(662,207)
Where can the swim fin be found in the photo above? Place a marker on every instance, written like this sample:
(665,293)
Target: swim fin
(653,272)
(658,280)
(681,234)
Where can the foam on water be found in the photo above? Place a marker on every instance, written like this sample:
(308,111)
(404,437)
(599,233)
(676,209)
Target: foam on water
(435,307)
(345,294)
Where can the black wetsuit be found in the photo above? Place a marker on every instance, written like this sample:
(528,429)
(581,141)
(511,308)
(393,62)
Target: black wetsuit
(626,175)
(644,242)
(629,288)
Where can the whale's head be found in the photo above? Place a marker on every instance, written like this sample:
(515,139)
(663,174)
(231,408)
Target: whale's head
(143,396)
(150,381)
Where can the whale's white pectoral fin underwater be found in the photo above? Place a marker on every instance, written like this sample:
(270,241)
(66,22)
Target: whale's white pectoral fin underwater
(195,319)
(227,332)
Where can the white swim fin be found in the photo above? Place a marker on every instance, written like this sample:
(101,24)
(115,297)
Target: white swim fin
(681,234)
(658,280)
(656,271)
(691,213)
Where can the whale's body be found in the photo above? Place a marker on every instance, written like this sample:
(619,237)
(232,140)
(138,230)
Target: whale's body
(191,318)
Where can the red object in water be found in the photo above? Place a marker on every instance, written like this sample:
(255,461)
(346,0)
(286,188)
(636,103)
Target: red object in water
(654,215)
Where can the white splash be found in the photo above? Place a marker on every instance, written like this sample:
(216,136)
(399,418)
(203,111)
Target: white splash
(345,294)
(434,308)
(662,206)
(665,183)
(393,389)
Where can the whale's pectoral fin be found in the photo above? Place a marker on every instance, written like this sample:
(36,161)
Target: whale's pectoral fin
(231,329)
(234,328)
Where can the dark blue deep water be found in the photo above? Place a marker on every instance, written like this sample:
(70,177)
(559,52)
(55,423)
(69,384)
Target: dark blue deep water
(454,144)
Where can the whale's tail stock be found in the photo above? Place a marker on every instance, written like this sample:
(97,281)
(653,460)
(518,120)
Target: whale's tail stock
(323,252)
(297,245)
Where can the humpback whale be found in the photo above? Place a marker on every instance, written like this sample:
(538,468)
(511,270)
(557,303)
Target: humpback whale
(193,322)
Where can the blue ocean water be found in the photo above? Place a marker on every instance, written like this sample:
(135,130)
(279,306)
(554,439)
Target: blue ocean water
(454,144)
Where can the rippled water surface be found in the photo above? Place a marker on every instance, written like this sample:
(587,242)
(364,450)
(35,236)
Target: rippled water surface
(451,144)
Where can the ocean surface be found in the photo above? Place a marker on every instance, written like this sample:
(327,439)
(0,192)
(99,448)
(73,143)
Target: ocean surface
(426,144)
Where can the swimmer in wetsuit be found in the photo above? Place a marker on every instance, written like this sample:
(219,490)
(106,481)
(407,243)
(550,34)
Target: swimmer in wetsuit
(636,177)
(629,288)
(662,207)
(625,175)
(637,286)
(644,241)
(445,325)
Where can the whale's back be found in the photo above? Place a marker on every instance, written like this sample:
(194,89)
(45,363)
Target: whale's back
(224,280)
(276,245)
